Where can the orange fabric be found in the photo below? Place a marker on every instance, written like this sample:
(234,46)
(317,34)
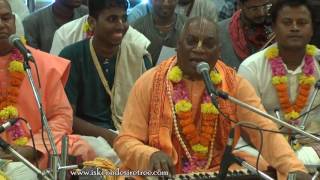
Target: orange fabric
(53,73)
(140,136)
(157,121)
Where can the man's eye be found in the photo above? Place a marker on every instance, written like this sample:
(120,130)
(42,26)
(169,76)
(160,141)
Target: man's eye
(287,22)
(112,19)
(191,41)
(209,44)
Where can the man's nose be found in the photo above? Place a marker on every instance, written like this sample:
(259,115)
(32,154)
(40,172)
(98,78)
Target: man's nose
(261,12)
(294,26)
(199,47)
(167,2)
(1,23)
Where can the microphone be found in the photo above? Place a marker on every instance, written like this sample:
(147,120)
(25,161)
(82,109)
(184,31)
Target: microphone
(227,157)
(277,112)
(203,69)
(15,41)
(8,124)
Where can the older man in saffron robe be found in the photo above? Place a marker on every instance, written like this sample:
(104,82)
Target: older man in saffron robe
(169,123)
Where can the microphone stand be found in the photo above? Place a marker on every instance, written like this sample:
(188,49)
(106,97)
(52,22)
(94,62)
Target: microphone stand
(44,120)
(56,164)
(6,147)
(315,176)
(313,97)
(226,96)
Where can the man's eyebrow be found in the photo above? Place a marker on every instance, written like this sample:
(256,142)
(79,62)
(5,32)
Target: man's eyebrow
(6,14)
(259,5)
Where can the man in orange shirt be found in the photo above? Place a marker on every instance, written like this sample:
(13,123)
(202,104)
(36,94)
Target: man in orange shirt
(17,100)
(170,124)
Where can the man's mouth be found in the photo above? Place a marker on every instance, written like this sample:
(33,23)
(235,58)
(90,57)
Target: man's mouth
(117,35)
(195,61)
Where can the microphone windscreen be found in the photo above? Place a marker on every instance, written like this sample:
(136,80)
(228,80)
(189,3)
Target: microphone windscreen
(202,66)
(13,38)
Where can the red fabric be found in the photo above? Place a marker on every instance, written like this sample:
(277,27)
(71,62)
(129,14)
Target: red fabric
(241,36)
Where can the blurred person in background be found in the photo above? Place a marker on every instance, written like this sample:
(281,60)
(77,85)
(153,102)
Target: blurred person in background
(40,26)
(246,32)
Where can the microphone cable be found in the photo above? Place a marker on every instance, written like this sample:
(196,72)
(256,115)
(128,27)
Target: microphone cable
(41,115)
(241,123)
(35,154)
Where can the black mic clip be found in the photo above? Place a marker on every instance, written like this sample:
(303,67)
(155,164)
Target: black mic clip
(8,124)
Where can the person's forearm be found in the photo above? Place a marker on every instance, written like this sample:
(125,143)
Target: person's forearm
(83,127)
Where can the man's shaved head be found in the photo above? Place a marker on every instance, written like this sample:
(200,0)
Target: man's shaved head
(7,3)
(7,26)
(200,21)
(198,42)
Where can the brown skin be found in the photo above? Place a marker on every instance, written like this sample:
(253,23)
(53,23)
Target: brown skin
(109,29)
(7,28)
(254,12)
(63,10)
(293,29)
(198,42)
(163,11)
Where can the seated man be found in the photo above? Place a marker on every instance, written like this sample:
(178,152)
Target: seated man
(246,32)
(17,100)
(189,8)
(162,27)
(40,26)
(284,74)
(104,68)
(170,124)
(79,29)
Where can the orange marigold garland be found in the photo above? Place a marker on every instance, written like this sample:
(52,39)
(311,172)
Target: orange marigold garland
(8,99)
(280,82)
(200,142)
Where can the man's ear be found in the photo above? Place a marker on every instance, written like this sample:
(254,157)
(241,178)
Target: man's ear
(273,27)
(92,23)
(14,22)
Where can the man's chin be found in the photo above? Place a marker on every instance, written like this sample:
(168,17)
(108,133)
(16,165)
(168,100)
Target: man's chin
(116,43)
(296,46)
(259,22)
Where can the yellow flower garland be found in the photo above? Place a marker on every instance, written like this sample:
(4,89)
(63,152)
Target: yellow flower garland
(184,106)
(16,66)
(9,110)
(209,108)
(175,75)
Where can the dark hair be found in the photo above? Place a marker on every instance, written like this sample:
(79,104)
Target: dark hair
(280,4)
(243,1)
(96,6)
